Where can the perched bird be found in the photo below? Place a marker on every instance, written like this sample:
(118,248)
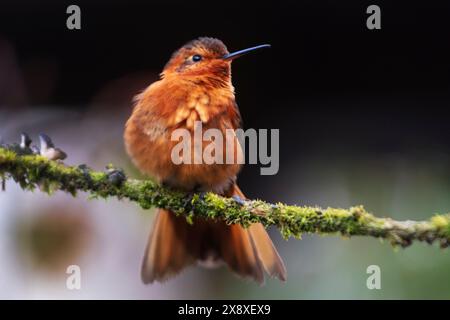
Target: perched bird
(49,150)
(195,85)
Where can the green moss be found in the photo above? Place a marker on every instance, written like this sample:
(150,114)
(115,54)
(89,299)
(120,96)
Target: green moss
(439,221)
(292,221)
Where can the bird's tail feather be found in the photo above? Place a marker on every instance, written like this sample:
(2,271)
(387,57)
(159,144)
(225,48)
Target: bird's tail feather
(174,244)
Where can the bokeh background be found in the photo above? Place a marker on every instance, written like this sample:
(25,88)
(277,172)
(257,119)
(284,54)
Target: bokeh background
(363,118)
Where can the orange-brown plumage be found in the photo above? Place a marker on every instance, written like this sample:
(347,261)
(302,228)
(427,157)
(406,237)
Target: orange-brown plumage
(190,92)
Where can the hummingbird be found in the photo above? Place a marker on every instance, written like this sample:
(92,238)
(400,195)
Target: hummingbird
(195,86)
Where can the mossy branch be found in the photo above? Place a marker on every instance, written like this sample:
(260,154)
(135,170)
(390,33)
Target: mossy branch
(32,171)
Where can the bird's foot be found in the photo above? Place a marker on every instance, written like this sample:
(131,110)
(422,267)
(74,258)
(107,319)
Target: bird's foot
(188,202)
(238,200)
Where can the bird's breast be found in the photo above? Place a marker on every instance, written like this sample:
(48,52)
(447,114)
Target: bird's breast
(149,138)
(199,105)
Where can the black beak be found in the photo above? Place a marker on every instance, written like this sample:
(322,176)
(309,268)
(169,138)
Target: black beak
(240,53)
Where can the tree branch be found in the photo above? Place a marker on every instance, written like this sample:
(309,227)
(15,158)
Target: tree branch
(32,171)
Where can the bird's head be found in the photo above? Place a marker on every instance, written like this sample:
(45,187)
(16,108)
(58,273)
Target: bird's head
(204,61)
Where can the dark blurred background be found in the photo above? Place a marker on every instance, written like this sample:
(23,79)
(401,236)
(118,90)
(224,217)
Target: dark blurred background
(363,114)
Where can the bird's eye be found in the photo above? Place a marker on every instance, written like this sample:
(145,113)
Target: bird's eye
(196,57)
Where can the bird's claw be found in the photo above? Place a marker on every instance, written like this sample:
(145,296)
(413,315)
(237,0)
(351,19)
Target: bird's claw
(187,203)
(238,200)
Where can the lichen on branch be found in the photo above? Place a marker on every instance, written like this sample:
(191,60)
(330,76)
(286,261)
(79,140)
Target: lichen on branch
(32,171)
